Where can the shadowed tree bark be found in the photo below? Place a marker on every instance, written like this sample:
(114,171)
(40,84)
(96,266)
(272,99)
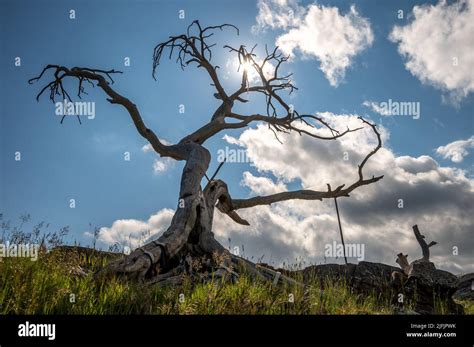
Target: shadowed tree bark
(190,236)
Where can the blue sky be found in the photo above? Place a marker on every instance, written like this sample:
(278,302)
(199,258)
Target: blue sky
(85,162)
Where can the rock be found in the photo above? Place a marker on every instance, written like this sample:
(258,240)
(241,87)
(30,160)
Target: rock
(425,282)
(372,276)
(421,269)
(465,289)
(329,271)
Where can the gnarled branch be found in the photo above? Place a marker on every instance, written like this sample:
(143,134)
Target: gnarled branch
(270,86)
(312,194)
(193,47)
(86,74)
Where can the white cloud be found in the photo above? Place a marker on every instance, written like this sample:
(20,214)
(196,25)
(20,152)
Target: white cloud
(147,148)
(374,106)
(277,14)
(133,232)
(457,150)
(232,140)
(262,185)
(273,159)
(438,199)
(159,164)
(437,46)
(319,32)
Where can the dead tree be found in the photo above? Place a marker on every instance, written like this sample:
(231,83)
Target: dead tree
(190,232)
(419,282)
(402,259)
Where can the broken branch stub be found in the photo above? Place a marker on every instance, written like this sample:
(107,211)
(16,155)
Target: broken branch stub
(425,248)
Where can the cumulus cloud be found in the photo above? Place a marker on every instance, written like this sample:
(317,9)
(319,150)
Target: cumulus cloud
(262,185)
(132,232)
(457,150)
(414,190)
(159,164)
(317,32)
(436,46)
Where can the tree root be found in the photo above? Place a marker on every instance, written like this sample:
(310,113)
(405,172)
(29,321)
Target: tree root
(222,268)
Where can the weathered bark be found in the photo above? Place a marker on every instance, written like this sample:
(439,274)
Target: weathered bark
(146,261)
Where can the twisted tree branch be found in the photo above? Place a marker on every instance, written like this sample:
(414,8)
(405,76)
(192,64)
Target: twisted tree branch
(86,74)
(312,194)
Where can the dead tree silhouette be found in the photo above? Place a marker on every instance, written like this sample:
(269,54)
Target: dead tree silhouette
(190,233)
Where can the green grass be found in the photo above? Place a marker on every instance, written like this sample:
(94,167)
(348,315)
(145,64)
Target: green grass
(45,287)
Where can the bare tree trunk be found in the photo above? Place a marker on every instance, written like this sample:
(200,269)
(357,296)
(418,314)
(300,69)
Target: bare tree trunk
(166,260)
(157,255)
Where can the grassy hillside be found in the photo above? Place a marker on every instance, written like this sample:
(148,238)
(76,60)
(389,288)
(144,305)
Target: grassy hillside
(48,286)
